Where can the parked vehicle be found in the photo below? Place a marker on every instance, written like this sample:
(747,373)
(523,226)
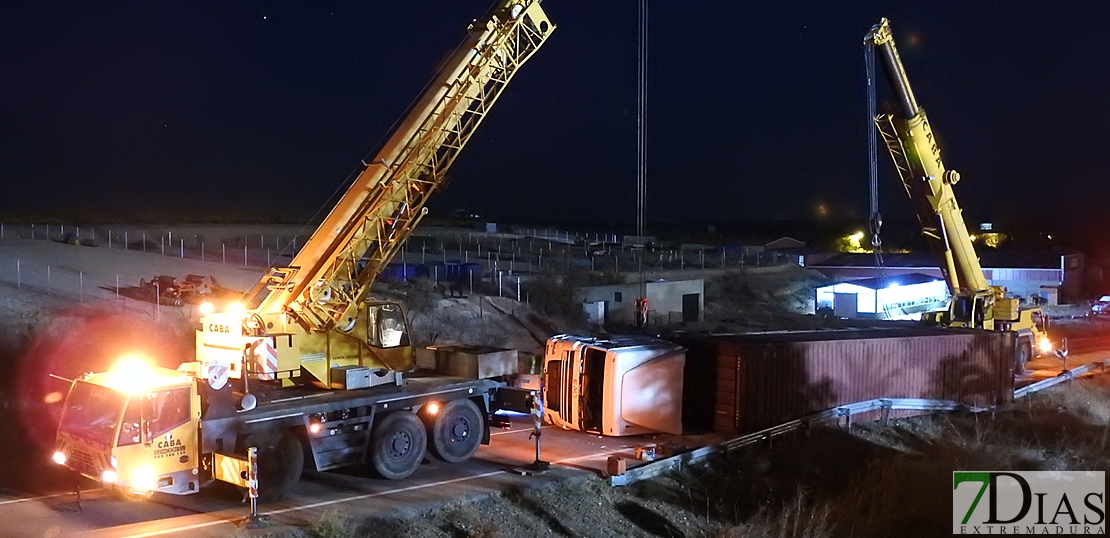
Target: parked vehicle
(1101,306)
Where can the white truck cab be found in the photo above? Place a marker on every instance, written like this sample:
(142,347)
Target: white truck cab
(619,385)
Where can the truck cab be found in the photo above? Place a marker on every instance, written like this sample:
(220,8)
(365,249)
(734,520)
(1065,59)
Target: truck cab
(133,428)
(621,385)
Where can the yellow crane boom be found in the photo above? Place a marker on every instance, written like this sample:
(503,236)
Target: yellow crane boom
(332,273)
(312,315)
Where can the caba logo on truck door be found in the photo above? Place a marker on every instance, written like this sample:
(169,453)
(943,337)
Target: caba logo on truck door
(219,328)
(1043,502)
(168,448)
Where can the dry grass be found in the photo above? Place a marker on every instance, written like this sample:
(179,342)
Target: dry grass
(333,524)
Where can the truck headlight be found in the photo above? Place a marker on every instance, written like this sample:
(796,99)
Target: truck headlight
(109,476)
(59,458)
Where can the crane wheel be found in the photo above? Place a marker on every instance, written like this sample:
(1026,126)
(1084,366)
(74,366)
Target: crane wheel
(1021,356)
(280,462)
(397,445)
(456,430)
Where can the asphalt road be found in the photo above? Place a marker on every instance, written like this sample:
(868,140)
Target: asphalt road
(217,511)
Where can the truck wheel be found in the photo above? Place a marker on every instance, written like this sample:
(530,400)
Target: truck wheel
(397,445)
(280,462)
(1021,356)
(456,431)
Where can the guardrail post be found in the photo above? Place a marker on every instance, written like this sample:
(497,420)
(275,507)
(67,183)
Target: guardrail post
(886,405)
(847,414)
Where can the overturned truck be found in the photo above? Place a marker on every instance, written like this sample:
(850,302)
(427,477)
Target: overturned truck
(740,383)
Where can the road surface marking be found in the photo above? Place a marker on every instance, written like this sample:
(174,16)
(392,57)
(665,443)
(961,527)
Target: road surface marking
(14,501)
(347,499)
(316,505)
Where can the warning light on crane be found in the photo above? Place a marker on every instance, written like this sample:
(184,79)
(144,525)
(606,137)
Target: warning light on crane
(236,309)
(132,375)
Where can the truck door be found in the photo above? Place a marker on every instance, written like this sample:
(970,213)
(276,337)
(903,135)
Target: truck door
(170,434)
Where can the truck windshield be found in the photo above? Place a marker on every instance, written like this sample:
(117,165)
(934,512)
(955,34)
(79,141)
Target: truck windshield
(92,413)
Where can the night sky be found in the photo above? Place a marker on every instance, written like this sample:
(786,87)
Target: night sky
(756,109)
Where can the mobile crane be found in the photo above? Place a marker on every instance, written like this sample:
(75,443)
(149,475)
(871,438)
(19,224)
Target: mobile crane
(910,142)
(314,369)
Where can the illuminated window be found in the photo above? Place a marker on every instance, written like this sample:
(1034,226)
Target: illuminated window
(165,410)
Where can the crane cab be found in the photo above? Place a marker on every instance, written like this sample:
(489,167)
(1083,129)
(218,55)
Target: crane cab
(134,429)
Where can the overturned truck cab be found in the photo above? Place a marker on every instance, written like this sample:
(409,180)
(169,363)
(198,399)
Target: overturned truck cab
(618,385)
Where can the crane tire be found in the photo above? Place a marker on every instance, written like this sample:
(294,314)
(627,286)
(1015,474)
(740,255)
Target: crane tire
(280,462)
(398,444)
(1021,356)
(456,430)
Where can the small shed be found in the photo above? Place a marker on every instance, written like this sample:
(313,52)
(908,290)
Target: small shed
(670,302)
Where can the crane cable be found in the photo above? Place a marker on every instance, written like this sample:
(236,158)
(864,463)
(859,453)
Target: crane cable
(641,155)
(875,220)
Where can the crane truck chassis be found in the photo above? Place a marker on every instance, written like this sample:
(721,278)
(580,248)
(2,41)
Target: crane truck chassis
(315,373)
(173,438)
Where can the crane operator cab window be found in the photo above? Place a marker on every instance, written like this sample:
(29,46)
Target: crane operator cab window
(386,326)
(962,308)
(165,410)
(1040,321)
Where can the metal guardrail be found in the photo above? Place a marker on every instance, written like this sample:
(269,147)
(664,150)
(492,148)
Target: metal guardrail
(836,414)
(1066,375)
(845,412)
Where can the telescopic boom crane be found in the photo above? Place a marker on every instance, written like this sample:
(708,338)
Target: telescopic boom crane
(928,182)
(310,375)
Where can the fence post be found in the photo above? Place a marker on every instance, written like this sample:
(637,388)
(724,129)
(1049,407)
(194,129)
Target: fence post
(244,253)
(182,248)
(223,247)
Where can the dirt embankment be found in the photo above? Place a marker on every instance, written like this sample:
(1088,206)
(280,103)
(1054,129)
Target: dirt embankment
(875,481)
